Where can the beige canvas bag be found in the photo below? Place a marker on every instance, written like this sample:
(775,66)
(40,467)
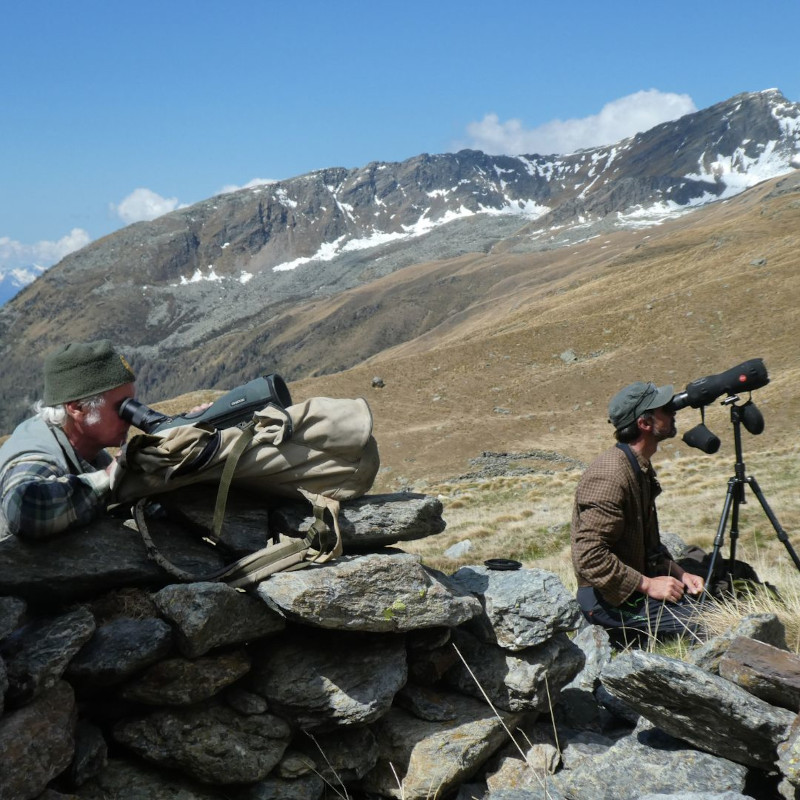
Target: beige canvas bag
(321,450)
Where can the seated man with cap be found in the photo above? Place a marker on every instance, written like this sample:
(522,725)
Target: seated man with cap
(54,470)
(627,580)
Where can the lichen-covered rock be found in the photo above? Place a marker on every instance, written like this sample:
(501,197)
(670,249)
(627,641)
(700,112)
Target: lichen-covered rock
(377,593)
(134,780)
(649,761)
(704,709)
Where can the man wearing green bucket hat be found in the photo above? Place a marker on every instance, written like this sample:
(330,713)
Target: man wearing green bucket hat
(54,469)
(627,580)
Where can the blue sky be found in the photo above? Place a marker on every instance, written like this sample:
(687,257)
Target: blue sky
(114,112)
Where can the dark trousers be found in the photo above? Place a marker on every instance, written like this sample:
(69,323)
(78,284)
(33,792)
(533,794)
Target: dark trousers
(641,618)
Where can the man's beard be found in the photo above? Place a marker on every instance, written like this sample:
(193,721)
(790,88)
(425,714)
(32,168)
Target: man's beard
(665,433)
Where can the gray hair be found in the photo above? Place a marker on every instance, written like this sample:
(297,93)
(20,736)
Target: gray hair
(56,416)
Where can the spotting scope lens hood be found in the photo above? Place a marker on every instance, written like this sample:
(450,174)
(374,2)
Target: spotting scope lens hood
(702,438)
(752,418)
(745,377)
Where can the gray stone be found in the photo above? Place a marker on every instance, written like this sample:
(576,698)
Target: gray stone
(418,758)
(12,611)
(424,703)
(3,685)
(91,754)
(458,550)
(528,761)
(789,755)
(522,608)
(120,649)
(208,742)
(342,756)
(649,761)
(375,520)
(366,523)
(37,655)
(89,560)
(332,680)
(578,746)
(134,780)
(209,615)
(578,705)
(179,681)
(37,743)
(704,709)
(376,592)
(293,765)
(245,702)
(545,791)
(527,680)
(306,787)
(697,796)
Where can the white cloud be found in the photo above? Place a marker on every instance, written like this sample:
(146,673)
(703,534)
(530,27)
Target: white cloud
(23,262)
(144,204)
(232,187)
(617,120)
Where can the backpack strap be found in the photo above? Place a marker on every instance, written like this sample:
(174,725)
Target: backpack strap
(289,553)
(245,437)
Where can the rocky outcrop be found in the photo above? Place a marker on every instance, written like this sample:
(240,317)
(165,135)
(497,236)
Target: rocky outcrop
(372,676)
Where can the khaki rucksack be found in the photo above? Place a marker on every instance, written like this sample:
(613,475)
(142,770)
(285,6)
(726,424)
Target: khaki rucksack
(321,450)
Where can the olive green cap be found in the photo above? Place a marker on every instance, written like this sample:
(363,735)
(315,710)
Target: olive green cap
(631,402)
(82,369)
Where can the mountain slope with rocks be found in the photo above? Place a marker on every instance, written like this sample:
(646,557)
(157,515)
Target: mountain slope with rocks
(320,273)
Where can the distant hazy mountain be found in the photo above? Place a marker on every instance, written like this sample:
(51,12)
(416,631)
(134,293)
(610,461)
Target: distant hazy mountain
(233,286)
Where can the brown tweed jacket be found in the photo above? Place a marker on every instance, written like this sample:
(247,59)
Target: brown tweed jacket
(615,537)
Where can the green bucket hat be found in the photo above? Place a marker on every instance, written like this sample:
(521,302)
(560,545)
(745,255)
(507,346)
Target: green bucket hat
(83,369)
(631,402)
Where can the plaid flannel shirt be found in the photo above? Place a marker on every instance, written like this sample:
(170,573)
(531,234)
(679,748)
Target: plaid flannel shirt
(40,498)
(615,538)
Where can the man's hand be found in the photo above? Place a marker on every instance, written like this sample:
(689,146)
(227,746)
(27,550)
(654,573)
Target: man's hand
(694,583)
(664,587)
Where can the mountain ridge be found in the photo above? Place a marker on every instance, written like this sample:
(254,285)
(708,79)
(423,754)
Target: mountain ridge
(174,293)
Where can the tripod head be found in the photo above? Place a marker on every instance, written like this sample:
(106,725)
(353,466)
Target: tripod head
(747,376)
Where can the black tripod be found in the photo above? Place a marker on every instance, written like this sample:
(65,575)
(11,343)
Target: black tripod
(735,496)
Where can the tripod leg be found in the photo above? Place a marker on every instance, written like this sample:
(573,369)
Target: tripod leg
(734,534)
(781,533)
(731,498)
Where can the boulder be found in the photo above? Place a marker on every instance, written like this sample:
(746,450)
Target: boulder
(380,592)
(705,710)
